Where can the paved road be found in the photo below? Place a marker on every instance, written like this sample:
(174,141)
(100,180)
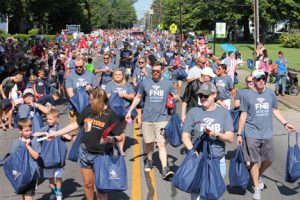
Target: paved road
(143,185)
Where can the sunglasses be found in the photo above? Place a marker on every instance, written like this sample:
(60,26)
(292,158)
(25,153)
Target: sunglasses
(156,71)
(261,78)
(250,81)
(203,96)
(105,58)
(203,63)
(141,62)
(78,67)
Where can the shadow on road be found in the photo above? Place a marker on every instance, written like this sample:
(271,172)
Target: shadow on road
(283,189)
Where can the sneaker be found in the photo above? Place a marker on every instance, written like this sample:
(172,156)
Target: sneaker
(261,184)
(282,93)
(148,165)
(256,194)
(277,93)
(167,173)
(58,197)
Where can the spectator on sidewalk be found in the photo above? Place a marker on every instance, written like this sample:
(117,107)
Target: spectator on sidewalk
(281,65)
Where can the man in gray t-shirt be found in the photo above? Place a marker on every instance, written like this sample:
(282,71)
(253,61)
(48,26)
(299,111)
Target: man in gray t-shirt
(156,91)
(257,106)
(80,78)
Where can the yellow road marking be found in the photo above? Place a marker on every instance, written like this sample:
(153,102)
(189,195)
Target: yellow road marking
(136,167)
(152,176)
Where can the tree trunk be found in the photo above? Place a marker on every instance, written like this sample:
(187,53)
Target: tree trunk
(245,21)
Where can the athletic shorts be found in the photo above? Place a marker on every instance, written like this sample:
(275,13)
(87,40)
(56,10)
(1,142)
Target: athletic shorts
(258,150)
(53,173)
(153,131)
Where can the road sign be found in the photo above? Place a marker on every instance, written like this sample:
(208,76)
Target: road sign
(173,28)
(160,26)
(220,30)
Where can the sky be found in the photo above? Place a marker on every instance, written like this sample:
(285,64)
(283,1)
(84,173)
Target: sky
(142,6)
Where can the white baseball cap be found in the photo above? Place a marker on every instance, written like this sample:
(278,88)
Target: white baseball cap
(208,71)
(258,73)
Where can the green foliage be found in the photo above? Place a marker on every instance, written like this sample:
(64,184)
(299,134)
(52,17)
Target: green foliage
(4,34)
(22,37)
(290,40)
(34,31)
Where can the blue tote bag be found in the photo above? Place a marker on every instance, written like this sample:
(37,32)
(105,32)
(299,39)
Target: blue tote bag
(110,172)
(37,122)
(235,115)
(293,161)
(117,105)
(212,185)
(80,99)
(187,175)
(53,153)
(238,172)
(173,130)
(74,151)
(181,74)
(20,169)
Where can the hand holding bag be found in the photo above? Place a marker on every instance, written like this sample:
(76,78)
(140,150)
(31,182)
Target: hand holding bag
(188,170)
(293,161)
(173,130)
(110,172)
(212,185)
(238,172)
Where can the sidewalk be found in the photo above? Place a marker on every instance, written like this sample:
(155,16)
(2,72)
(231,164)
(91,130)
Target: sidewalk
(289,106)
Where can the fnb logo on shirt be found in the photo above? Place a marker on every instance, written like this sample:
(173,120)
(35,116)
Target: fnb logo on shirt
(156,91)
(81,82)
(208,123)
(261,105)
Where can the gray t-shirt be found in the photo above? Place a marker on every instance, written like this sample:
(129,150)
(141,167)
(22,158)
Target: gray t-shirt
(219,119)
(139,75)
(224,86)
(156,95)
(259,107)
(26,111)
(113,87)
(106,77)
(87,78)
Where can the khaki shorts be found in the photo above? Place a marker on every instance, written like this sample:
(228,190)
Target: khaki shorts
(73,118)
(152,131)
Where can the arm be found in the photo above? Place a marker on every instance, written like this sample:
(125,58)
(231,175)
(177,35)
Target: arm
(225,137)
(42,108)
(70,92)
(1,91)
(242,121)
(67,137)
(32,152)
(127,96)
(186,139)
(71,127)
(278,115)
(183,111)
(135,102)
(134,82)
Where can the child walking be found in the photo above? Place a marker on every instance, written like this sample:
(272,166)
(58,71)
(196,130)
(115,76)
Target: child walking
(54,174)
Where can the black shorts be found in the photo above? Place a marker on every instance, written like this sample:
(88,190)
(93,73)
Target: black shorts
(6,104)
(30,191)
(258,150)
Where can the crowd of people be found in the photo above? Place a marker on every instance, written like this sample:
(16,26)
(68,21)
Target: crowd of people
(151,68)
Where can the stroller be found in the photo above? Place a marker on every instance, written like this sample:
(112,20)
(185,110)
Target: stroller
(292,82)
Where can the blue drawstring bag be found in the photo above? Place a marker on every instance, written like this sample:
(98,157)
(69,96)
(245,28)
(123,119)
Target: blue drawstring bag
(53,153)
(110,172)
(238,172)
(117,105)
(235,115)
(20,169)
(74,151)
(80,99)
(173,130)
(292,172)
(186,176)
(212,185)
(181,74)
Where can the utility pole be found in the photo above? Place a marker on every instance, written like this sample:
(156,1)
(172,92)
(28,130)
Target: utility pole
(180,25)
(256,22)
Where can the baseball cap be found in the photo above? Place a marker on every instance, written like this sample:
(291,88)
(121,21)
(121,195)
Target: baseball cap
(207,88)
(258,73)
(28,91)
(208,71)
